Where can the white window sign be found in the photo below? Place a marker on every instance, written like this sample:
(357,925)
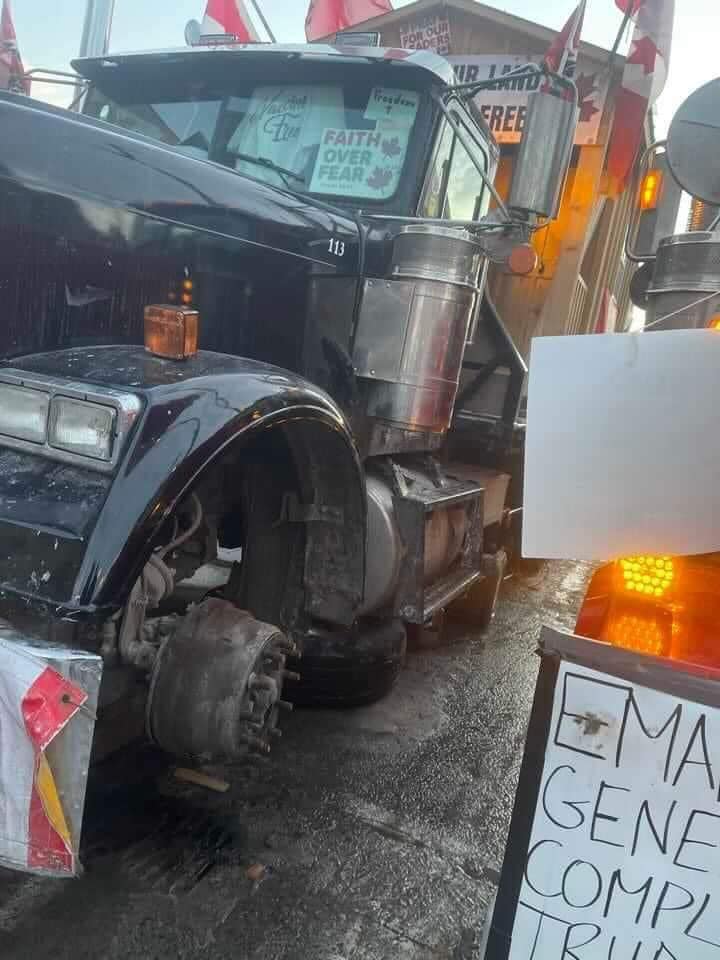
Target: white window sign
(360,163)
(387,103)
(505,109)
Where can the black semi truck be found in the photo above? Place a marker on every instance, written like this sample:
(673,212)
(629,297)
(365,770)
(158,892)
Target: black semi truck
(257,413)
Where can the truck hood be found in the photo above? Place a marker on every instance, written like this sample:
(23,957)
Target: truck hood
(74,190)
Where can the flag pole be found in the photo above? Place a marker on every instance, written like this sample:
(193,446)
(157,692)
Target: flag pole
(95,40)
(264,22)
(623,26)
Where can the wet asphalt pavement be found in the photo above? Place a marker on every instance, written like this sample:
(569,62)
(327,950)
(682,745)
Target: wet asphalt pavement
(368,834)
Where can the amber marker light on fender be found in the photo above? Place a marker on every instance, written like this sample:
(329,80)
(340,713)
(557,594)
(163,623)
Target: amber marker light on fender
(171,331)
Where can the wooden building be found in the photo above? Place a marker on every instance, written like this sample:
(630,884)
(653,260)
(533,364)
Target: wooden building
(581,284)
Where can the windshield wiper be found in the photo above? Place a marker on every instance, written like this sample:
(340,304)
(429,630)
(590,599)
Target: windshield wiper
(268,164)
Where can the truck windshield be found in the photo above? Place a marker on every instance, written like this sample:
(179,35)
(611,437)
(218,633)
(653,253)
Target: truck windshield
(337,140)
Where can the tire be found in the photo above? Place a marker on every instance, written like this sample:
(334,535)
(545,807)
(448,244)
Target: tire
(348,668)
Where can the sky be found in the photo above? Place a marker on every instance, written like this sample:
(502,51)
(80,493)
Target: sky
(49,33)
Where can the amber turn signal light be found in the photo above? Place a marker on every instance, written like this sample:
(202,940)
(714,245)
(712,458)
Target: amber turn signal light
(650,190)
(171,332)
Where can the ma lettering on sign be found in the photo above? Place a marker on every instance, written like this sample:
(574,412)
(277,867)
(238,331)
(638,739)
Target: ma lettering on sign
(614,845)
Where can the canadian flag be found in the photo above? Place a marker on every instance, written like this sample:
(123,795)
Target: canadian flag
(12,72)
(646,69)
(229,16)
(325,17)
(563,51)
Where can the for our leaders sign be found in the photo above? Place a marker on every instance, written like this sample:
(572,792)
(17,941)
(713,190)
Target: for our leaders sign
(505,107)
(619,804)
(427,33)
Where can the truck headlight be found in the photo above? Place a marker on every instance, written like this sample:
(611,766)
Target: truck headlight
(84,424)
(23,413)
(81,427)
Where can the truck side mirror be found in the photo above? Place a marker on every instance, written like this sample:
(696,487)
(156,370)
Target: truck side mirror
(545,149)
(693,143)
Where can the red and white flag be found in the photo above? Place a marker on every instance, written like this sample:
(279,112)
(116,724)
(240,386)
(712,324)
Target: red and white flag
(325,17)
(563,51)
(229,16)
(646,69)
(12,72)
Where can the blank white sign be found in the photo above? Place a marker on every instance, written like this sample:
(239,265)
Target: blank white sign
(624,857)
(623,445)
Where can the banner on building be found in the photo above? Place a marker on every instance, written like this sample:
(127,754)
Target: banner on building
(505,108)
(427,33)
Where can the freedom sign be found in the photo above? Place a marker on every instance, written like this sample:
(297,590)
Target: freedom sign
(614,848)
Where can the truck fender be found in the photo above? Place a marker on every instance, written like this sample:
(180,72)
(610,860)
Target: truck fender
(186,426)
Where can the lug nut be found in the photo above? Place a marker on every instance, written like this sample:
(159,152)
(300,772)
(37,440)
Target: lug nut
(285,705)
(290,675)
(275,731)
(256,743)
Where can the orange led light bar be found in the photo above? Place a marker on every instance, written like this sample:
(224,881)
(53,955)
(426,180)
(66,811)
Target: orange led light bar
(647,576)
(657,605)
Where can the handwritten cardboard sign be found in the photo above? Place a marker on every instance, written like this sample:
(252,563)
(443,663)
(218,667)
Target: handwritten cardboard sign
(360,163)
(427,33)
(614,850)
(390,104)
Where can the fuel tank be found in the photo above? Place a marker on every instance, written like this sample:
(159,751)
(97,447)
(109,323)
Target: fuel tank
(97,222)
(685,278)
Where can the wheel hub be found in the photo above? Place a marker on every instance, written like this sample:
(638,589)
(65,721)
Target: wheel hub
(216,686)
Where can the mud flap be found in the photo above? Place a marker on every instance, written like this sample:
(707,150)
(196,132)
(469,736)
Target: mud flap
(48,703)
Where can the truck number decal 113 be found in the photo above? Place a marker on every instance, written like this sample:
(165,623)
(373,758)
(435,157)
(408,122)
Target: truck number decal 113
(337,248)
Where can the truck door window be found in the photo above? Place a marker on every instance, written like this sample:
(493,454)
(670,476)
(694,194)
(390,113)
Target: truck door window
(454,189)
